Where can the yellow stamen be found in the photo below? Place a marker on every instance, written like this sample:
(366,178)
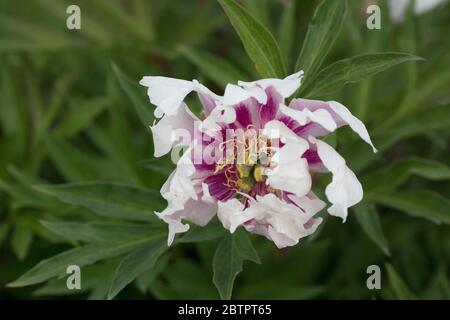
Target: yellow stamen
(245,185)
(258,173)
(243,170)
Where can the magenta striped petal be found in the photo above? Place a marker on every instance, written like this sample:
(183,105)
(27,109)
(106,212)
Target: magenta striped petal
(270,109)
(217,188)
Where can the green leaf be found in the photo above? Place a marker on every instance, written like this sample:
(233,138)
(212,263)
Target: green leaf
(140,260)
(120,17)
(399,287)
(34,35)
(23,178)
(59,91)
(257,40)
(410,45)
(285,31)
(351,70)
(117,150)
(81,117)
(22,237)
(397,173)
(101,231)
(13,115)
(136,96)
(176,285)
(109,199)
(23,195)
(438,287)
(81,256)
(206,233)
(419,203)
(369,220)
(95,279)
(77,164)
(259,10)
(284,291)
(70,230)
(197,26)
(4,228)
(435,82)
(146,279)
(435,118)
(215,68)
(161,166)
(94,29)
(228,260)
(322,31)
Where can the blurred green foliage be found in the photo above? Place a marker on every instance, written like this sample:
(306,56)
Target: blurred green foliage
(71,111)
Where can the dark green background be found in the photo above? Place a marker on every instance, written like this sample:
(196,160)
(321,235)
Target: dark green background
(65,118)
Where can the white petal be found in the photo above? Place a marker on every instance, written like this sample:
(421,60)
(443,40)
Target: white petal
(168,93)
(195,211)
(235,94)
(352,121)
(298,115)
(164,134)
(280,239)
(183,201)
(286,87)
(162,138)
(310,204)
(206,195)
(175,226)
(319,116)
(232,214)
(275,129)
(179,187)
(291,172)
(322,117)
(198,212)
(220,114)
(344,190)
(285,223)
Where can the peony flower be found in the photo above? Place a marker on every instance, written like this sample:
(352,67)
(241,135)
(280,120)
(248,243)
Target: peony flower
(250,157)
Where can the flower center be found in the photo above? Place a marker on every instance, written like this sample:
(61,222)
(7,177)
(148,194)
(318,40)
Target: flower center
(250,157)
